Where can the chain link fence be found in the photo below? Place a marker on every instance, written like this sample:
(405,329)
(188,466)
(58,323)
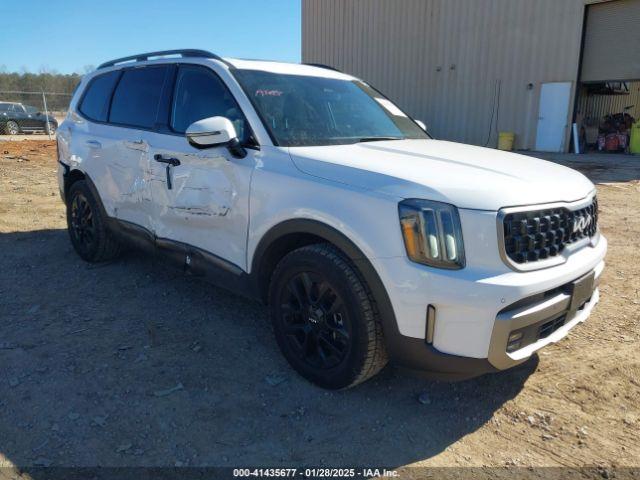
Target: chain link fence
(28,112)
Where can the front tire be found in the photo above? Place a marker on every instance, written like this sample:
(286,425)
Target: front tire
(325,319)
(50,130)
(11,128)
(87,226)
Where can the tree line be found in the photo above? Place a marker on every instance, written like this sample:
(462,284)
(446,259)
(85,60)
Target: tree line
(35,83)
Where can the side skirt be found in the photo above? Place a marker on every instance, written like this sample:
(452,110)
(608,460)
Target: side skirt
(191,260)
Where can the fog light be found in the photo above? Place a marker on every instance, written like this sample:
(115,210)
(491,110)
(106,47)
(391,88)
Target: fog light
(514,341)
(514,336)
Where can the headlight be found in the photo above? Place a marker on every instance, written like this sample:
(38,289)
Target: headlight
(432,233)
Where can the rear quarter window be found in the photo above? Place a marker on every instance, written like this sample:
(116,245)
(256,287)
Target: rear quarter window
(137,97)
(95,102)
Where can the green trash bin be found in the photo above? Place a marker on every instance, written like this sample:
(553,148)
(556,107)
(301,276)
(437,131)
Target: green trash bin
(634,143)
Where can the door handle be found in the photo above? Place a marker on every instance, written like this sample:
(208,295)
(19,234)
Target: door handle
(93,144)
(173,162)
(170,162)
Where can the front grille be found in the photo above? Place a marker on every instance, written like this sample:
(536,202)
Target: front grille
(534,235)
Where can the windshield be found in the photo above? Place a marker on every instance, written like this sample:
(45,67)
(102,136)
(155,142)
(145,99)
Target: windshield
(300,110)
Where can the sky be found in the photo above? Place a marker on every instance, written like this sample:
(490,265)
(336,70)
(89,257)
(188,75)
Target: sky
(69,35)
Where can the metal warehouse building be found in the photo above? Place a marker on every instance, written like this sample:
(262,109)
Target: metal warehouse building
(472,68)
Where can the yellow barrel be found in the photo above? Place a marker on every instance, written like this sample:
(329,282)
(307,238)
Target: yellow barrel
(506,140)
(634,144)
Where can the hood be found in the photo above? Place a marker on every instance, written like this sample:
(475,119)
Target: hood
(463,175)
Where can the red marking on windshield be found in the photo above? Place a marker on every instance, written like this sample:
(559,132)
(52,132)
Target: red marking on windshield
(268,93)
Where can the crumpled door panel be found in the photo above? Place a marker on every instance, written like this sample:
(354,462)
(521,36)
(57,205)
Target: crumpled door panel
(195,195)
(131,172)
(207,205)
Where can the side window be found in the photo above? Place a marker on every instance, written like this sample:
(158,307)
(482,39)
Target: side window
(199,93)
(95,103)
(137,97)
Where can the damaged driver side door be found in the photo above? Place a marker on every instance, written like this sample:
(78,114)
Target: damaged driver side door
(201,196)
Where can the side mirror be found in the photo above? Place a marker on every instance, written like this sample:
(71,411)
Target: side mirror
(215,131)
(421,124)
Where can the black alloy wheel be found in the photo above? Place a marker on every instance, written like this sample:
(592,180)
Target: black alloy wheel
(316,322)
(324,317)
(83,228)
(87,225)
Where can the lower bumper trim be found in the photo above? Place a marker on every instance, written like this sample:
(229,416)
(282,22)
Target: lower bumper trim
(427,361)
(542,320)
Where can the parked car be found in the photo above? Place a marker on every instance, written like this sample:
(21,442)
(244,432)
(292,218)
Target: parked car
(17,118)
(309,190)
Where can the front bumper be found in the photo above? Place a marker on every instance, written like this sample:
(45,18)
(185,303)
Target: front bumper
(545,320)
(539,320)
(477,309)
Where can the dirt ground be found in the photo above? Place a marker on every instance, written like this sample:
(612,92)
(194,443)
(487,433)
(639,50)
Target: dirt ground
(133,364)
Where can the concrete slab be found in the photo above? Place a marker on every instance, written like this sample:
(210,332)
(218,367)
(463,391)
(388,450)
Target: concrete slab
(598,167)
(30,136)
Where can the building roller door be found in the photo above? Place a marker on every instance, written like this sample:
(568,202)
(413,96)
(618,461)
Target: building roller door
(612,42)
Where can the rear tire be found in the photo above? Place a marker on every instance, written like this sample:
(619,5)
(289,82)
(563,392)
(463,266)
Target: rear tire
(325,319)
(88,230)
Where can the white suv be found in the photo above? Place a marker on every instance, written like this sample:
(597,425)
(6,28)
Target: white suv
(307,189)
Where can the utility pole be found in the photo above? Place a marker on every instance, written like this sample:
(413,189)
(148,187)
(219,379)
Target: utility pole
(46,113)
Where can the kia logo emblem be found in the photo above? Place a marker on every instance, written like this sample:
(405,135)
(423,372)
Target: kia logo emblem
(581,223)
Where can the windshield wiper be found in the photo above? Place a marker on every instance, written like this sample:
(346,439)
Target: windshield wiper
(378,139)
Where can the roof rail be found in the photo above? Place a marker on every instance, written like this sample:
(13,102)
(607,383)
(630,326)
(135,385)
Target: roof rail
(322,65)
(141,57)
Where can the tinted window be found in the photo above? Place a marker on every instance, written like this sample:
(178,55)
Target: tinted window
(199,93)
(95,104)
(137,97)
(4,107)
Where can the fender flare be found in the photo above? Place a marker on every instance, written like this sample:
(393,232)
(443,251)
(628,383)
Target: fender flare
(348,247)
(87,179)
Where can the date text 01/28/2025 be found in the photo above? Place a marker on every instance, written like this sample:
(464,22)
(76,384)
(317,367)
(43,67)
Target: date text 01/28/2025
(315,472)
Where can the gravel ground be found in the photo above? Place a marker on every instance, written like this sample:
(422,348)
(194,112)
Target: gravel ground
(133,364)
